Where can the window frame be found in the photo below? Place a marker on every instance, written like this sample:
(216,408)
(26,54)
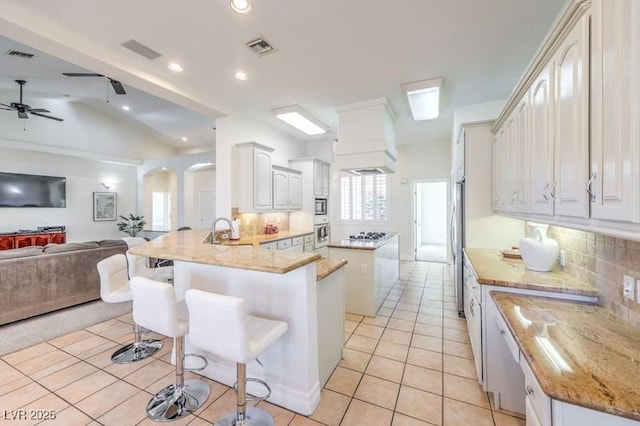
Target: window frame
(386,221)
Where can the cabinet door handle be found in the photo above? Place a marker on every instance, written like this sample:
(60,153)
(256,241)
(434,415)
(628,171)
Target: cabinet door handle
(502,332)
(553,189)
(544,193)
(592,196)
(529,390)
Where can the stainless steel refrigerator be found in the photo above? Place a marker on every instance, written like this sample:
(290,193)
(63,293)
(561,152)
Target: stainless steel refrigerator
(473,222)
(457,241)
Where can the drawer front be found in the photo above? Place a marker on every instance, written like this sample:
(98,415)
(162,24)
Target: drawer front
(508,338)
(540,402)
(308,238)
(284,244)
(269,246)
(297,241)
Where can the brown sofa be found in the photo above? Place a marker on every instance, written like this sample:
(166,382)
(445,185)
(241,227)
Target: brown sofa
(37,280)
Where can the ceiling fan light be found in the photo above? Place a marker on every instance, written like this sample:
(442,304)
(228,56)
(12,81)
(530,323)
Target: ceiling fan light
(243,7)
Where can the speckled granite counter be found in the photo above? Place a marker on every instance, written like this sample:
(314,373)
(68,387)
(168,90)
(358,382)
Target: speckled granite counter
(491,268)
(188,246)
(363,244)
(326,267)
(601,352)
(256,240)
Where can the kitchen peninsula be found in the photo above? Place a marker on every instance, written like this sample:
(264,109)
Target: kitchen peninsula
(275,284)
(373,267)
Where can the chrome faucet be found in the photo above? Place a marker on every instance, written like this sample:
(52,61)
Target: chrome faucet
(214,238)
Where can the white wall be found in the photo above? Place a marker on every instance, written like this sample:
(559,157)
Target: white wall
(84,177)
(237,129)
(84,130)
(475,112)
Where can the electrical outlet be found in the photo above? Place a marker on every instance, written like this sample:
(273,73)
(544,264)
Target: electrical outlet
(627,289)
(364,268)
(563,258)
(638,291)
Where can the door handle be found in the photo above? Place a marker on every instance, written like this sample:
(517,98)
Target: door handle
(592,196)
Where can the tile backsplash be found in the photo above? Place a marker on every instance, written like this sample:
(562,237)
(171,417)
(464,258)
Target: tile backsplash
(254,223)
(603,262)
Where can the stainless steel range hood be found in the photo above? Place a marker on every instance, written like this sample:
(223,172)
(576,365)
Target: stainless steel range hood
(366,138)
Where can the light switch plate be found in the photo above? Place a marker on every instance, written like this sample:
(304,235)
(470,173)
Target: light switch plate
(627,289)
(638,291)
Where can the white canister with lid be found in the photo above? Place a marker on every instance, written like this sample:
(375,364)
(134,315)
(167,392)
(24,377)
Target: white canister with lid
(538,252)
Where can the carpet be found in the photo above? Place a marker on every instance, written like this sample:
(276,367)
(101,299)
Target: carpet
(22,334)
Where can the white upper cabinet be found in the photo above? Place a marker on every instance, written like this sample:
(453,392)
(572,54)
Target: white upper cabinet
(541,136)
(287,189)
(252,177)
(571,122)
(322,179)
(522,158)
(615,111)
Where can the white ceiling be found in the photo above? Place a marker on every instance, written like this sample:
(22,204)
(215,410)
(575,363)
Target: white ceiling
(329,53)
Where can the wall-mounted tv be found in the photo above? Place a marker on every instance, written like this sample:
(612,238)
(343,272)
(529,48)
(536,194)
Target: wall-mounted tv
(20,190)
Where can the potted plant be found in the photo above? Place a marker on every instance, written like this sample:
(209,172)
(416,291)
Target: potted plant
(132,224)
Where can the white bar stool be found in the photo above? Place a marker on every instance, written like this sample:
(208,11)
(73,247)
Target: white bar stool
(220,325)
(114,288)
(155,307)
(138,267)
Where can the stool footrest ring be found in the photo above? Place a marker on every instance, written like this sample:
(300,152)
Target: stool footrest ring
(255,398)
(204,360)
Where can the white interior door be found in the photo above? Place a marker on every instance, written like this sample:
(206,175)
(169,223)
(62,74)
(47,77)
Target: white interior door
(430,226)
(161,211)
(207,203)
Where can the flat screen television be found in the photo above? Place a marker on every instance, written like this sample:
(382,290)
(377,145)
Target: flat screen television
(21,190)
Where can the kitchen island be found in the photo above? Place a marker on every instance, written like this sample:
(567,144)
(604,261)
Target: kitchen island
(373,268)
(274,284)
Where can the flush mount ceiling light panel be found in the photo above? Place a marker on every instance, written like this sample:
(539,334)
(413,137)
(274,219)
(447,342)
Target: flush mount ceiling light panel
(296,116)
(424,98)
(243,7)
(260,46)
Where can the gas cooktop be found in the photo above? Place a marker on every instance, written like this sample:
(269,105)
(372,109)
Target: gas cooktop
(368,235)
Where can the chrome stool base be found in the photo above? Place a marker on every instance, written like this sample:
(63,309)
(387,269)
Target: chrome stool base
(136,351)
(172,403)
(254,417)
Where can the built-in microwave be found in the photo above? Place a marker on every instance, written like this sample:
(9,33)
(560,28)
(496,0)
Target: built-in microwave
(321,206)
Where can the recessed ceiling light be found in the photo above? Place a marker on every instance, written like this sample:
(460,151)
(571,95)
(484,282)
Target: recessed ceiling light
(126,107)
(175,67)
(184,139)
(241,75)
(243,7)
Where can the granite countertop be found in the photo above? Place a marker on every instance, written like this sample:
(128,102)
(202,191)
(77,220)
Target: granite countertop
(363,244)
(256,240)
(490,267)
(600,352)
(188,246)
(326,267)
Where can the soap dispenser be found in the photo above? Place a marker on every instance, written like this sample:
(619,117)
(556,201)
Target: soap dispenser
(235,229)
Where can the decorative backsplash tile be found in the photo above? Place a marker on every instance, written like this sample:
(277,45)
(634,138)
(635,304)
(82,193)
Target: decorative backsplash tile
(254,223)
(603,262)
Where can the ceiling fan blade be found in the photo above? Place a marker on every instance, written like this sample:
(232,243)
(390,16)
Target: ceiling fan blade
(117,87)
(82,74)
(7,109)
(46,116)
(39,110)
(8,106)
(22,114)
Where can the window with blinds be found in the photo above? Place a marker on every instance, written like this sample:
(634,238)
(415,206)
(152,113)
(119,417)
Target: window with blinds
(364,198)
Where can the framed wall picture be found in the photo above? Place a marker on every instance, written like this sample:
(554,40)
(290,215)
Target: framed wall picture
(104,206)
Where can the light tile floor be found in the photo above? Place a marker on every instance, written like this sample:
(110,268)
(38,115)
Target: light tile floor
(410,365)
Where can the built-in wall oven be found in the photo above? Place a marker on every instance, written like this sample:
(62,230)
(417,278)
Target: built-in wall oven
(321,206)
(321,230)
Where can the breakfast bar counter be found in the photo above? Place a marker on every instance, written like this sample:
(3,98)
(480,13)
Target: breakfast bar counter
(275,284)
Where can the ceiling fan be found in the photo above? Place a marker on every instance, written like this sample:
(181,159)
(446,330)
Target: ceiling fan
(23,109)
(117,86)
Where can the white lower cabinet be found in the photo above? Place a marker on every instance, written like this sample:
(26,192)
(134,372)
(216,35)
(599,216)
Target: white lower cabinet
(538,404)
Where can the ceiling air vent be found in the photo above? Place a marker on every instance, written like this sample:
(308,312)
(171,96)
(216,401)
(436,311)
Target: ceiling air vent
(141,49)
(370,171)
(18,54)
(260,46)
